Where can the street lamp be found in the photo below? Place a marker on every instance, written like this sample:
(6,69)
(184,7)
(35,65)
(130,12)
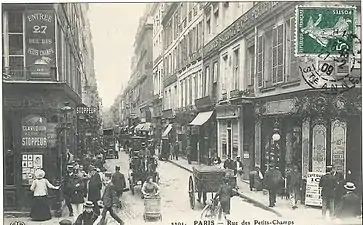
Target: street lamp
(276,147)
(64,110)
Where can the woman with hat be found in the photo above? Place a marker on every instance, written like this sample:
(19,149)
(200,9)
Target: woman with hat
(350,205)
(40,210)
(87,217)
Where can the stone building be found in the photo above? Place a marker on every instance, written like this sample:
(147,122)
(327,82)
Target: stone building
(43,72)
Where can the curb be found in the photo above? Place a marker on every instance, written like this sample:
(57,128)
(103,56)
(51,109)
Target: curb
(240,194)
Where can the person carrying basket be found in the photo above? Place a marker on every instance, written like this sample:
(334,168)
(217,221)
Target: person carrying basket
(150,188)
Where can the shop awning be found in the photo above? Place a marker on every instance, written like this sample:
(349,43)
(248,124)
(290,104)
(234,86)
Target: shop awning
(201,118)
(167,131)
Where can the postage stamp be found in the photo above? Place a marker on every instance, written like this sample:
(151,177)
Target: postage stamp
(324,29)
(326,36)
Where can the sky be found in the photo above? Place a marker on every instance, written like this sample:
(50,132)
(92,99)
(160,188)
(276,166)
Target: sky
(113,27)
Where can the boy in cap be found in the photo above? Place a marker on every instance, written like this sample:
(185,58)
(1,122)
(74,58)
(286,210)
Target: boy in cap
(88,217)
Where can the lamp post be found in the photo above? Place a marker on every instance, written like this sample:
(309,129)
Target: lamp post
(276,147)
(64,111)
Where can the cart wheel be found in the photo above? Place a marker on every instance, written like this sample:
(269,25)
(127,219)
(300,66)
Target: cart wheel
(191,193)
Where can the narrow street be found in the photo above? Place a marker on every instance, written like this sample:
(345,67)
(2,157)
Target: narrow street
(174,195)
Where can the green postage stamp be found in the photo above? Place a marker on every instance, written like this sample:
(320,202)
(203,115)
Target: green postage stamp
(324,30)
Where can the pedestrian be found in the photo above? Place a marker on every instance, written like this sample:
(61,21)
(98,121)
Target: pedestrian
(273,179)
(228,163)
(328,184)
(150,188)
(350,205)
(118,179)
(66,189)
(40,210)
(77,194)
(172,153)
(94,188)
(109,199)
(225,193)
(69,156)
(339,188)
(294,186)
(88,216)
(189,154)
(176,150)
(238,168)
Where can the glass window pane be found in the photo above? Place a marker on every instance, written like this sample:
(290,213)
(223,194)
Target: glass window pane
(15,44)
(15,22)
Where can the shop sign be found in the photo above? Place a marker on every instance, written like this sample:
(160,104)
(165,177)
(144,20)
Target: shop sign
(313,191)
(338,145)
(40,43)
(34,132)
(240,25)
(86,110)
(284,106)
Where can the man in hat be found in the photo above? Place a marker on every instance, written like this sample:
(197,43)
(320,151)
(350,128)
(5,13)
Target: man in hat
(350,205)
(273,178)
(87,217)
(118,179)
(94,188)
(228,163)
(109,199)
(225,193)
(328,184)
(238,168)
(67,189)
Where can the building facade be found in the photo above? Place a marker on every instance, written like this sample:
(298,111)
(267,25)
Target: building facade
(43,72)
(266,112)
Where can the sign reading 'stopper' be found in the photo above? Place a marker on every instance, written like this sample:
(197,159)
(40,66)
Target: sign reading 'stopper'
(40,43)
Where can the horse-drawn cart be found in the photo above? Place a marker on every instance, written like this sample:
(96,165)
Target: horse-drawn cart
(207,179)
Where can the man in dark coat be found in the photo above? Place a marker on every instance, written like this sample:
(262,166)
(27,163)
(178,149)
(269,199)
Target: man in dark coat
(118,179)
(189,154)
(294,185)
(77,194)
(109,199)
(350,205)
(328,184)
(94,189)
(228,163)
(339,188)
(225,193)
(273,178)
(67,190)
(88,217)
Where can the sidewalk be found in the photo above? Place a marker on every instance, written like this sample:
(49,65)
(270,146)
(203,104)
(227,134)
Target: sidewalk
(260,199)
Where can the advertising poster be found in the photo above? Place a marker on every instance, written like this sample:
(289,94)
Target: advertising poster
(38,161)
(40,43)
(313,191)
(34,132)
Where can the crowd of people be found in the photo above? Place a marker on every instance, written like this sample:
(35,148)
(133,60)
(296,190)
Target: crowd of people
(89,191)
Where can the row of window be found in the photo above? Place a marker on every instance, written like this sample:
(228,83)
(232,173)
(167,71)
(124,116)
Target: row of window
(180,56)
(13,44)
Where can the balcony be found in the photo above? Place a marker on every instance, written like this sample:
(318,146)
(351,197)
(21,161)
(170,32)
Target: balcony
(204,102)
(240,93)
(27,74)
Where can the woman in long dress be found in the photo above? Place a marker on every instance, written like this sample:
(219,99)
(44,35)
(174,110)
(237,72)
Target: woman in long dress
(40,210)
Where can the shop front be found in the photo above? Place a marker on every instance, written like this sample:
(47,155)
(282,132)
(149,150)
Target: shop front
(38,128)
(310,130)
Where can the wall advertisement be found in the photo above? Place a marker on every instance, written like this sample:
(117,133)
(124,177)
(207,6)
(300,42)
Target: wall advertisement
(40,43)
(313,191)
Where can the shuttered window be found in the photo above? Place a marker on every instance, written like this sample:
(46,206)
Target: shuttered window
(278,54)
(260,59)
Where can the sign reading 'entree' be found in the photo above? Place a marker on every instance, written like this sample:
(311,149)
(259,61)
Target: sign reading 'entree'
(40,43)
